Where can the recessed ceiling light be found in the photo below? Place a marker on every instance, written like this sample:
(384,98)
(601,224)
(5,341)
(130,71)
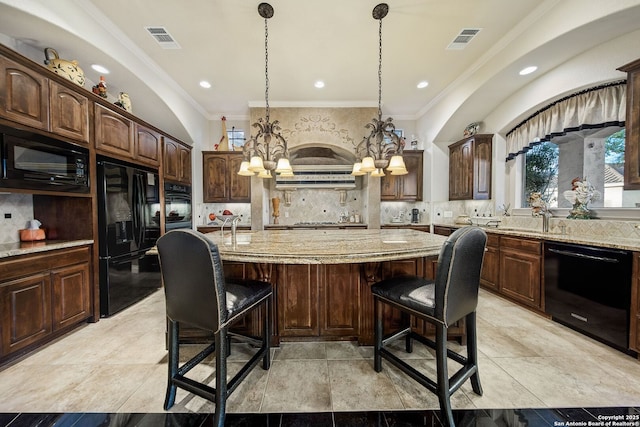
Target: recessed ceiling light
(99,68)
(319,84)
(423,84)
(205,84)
(528,70)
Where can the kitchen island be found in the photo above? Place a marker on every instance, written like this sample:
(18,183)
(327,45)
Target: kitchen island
(321,278)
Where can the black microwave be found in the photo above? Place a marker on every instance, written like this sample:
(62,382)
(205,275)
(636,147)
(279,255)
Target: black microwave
(37,162)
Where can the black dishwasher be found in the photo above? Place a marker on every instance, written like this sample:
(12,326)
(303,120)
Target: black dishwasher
(589,289)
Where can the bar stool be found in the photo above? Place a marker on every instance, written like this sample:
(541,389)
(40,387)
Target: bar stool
(451,297)
(197,293)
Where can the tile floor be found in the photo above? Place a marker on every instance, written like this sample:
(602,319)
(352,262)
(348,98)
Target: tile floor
(118,365)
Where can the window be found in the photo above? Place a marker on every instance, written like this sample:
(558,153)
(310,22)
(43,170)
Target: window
(541,173)
(236,139)
(594,154)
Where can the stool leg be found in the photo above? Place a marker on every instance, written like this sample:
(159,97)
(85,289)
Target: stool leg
(378,332)
(444,395)
(406,323)
(174,346)
(221,377)
(266,333)
(472,352)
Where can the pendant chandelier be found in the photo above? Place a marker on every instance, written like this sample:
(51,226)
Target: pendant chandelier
(266,152)
(382,148)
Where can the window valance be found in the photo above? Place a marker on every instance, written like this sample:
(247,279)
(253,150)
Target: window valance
(592,108)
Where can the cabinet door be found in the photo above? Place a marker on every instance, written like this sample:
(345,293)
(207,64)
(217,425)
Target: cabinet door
(214,175)
(339,296)
(114,133)
(297,300)
(412,182)
(520,277)
(490,275)
(482,169)
(461,171)
(184,164)
(171,159)
(147,146)
(404,187)
(389,187)
(69,112)
(71,295)
(24,95)
(632,151)
(26,311)
(240,185)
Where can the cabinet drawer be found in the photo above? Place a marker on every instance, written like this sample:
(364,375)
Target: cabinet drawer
(493,240)
(443,231)
(523,245)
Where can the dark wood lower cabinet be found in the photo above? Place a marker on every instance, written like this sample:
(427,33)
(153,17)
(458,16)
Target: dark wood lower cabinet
(325,302)
(520,270)
(42,296)
(490,275)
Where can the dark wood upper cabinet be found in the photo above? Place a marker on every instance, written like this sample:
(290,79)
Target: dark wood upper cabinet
(632,126)
(177,161)
(221,182)
(184,162)
(113,132)
(69,111)
(404,187)
(24,95)
(470,168)
(147,146)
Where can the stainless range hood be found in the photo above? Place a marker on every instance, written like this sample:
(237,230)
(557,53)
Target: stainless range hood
(318,176)
(319,167)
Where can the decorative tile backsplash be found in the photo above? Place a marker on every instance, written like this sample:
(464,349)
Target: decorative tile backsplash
(20,207)
(314,205)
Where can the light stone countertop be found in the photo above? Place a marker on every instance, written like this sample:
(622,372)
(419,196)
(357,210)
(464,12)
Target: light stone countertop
(629,244)
(24,248)
(326,246)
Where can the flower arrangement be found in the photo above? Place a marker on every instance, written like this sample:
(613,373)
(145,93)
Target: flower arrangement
(581,194)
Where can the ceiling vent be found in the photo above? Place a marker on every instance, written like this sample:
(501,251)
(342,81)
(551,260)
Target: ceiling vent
(162,36)
(463,38)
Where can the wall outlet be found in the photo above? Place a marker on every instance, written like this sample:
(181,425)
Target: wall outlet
(448,214)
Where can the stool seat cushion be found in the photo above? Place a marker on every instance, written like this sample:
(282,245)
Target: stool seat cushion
(244,294)
(414,292)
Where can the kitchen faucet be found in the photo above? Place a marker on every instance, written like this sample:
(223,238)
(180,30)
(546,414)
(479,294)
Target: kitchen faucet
(234,225)
(546,215)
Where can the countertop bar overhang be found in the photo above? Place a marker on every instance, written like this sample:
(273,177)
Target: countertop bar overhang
(326,246)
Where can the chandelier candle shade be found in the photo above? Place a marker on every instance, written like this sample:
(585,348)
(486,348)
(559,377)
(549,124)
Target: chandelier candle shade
(266,151)
(382,148)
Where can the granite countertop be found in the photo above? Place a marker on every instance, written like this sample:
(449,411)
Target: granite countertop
(629,244)
(24,248)
(330,246)
(319,225)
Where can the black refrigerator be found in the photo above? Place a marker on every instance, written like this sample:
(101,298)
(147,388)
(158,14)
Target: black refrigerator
(128,200)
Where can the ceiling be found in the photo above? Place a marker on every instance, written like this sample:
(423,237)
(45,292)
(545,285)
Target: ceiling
(223,42)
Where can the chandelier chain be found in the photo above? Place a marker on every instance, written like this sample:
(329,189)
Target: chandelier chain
(380,70)
(266,68)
